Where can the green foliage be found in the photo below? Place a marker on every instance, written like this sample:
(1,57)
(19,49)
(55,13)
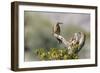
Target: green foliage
(55,54)
(74,48)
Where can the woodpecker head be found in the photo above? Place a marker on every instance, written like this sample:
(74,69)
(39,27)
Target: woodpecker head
(59,23)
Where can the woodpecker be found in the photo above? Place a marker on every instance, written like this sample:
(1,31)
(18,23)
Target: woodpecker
(56,30)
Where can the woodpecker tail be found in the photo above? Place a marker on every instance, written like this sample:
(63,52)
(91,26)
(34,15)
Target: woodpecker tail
(59,41)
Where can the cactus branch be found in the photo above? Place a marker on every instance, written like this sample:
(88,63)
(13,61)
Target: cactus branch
(66,43)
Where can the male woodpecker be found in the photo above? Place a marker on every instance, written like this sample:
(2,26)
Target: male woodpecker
(56,30)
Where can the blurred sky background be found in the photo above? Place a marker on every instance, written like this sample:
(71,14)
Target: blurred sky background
(38,31)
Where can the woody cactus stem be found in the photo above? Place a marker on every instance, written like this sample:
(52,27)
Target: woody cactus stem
(79,43)
(66,43)
(82,40)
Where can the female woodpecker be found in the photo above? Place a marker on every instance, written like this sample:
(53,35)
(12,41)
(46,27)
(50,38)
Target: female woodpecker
(56,30)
